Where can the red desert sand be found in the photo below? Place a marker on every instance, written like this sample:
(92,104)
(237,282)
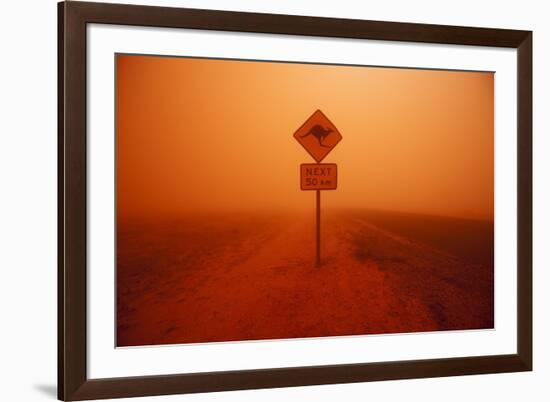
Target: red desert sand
(252,276)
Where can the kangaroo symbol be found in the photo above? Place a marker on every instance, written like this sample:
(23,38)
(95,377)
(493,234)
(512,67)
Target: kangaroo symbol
(320,133)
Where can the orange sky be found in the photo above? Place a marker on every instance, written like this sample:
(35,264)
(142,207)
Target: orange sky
(198,134)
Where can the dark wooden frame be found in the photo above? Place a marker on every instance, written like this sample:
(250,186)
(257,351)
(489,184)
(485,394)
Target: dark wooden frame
(73,383)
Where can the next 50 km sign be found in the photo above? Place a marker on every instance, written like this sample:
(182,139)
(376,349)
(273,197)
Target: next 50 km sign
(318,176)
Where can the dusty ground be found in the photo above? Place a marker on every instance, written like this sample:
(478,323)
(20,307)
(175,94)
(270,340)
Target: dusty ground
(223,278)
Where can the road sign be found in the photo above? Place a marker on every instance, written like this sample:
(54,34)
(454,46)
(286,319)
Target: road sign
(318,136)
(318,176)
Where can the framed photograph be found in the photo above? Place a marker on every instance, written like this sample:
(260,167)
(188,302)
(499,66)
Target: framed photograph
(254,201)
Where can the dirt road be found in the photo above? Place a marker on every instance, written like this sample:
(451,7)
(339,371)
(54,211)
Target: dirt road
(222,278)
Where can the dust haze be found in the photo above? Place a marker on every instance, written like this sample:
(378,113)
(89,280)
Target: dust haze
(196,134)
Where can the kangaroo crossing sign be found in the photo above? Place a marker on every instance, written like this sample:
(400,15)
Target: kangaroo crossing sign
(318,136)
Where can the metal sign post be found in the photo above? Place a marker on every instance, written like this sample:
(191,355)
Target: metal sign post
(318,219)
